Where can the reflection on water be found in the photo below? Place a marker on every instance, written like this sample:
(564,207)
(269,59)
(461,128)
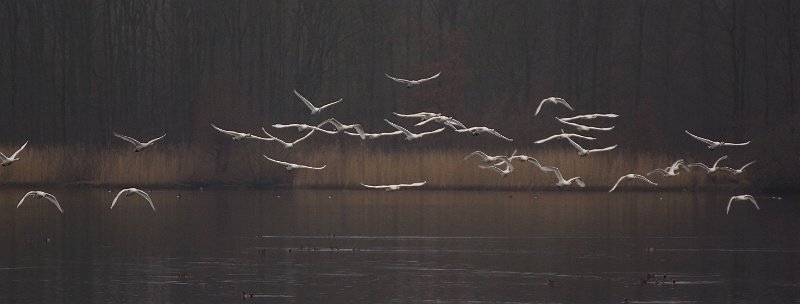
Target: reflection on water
(405,246)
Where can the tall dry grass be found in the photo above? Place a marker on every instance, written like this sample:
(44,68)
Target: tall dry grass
(446,168)
(241,164)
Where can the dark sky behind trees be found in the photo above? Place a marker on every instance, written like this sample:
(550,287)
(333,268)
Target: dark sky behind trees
(73,71)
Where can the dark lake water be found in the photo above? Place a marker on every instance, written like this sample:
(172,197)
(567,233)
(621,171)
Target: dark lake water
(411,246)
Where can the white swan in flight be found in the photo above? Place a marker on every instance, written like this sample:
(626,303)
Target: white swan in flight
(394,187)
(562,136)
(585,152)
(303,127)
(238,135)
(561,181)
(590,116)
(631,177)
(708,169)
(291,166)
(581,127)
(412,136)
(478,130)
(671,170)
(503,172)
(745,197)
(736,171)
(447,121)
(341,127)
(315,110)
(41,194)
(420,115)
(375,135)
(411,83)
(7,161)
(287,145)
(714,144)
(138,146)
(132,191)
(485,158)
(553,100)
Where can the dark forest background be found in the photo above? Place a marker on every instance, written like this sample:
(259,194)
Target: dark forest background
(74,71)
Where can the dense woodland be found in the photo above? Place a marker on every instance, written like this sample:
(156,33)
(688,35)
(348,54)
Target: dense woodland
(74,71)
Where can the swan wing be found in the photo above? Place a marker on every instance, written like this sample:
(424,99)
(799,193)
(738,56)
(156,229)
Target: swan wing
(278,161)
(431,132)
(400,80)
(558,174)
(493,168)
(417,184)
(53,200)
(330,104)
(700,165)
(641,177)
(114,202)
(483,156)
(704,140)
(547,139)
(304,136)
(601,128)
(226,132)
(753,200)
(539,108)
(156,139)
(305,101)
(313,168)
(730,201)
(19,150)
(563,102)
(617,183)
(746,165)
(406,132)
(360,131)
(495,133)
(581,136)
(574,144)
(273,137)
(736,144)
(128,139)
(146,197)
(570,123)
(429,78)
(375,187)
(719,160)
(30,193)
(603,149)
(578,181)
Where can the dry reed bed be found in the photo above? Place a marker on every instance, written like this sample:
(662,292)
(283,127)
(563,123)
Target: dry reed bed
(348,166)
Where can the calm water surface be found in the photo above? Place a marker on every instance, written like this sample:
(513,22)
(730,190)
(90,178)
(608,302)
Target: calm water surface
(411,246)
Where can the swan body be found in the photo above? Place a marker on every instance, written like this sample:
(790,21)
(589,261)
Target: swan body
(631,177)
(303,127)
(287,145)
(553,100)
(412,136)
(239,135)
(132,191)
(590,116)
(714,144)
(341,127)
(478,130)
(562,136)
(139,146)
(745,197)
(291,166)
(395,187)
(583,128)
(41,194)
(447,121)
(584,152)
(670,171)
(375,135)
(411,83)
(736,171)
(7,161)
(420,115)
(708,169)
(315,110)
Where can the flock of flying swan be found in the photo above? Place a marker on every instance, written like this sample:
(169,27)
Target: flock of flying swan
(499,164)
